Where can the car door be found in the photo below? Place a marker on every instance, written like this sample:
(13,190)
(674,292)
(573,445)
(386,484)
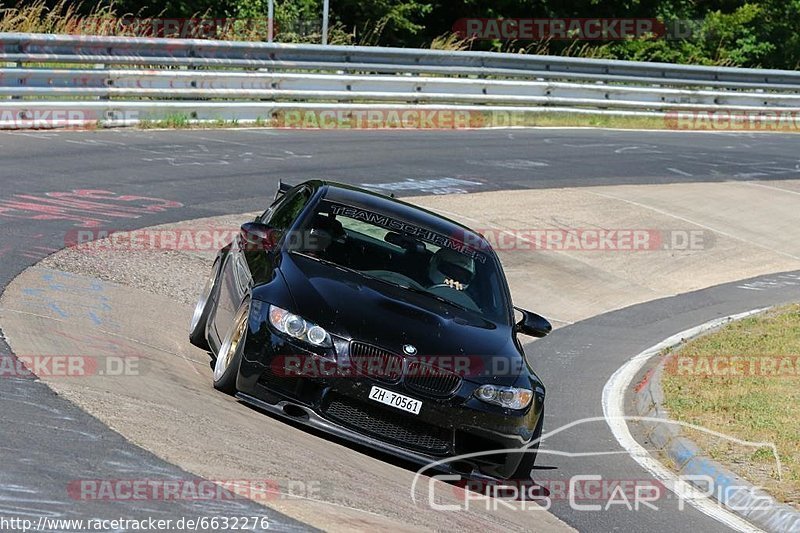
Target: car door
(243,267)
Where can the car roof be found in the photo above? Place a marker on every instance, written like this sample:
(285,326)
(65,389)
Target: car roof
(398,209)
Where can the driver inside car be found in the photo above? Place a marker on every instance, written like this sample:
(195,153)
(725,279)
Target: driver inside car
(325,230)
(449,268)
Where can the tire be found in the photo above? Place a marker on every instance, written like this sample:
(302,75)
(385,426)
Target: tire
(202,311)
(226,365)
(523,471)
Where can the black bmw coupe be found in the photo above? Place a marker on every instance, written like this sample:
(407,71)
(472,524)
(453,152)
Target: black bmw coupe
(379,322)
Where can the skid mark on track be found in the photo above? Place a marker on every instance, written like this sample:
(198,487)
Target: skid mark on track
(781,280)
(87,208)
(433,186)
(69,296)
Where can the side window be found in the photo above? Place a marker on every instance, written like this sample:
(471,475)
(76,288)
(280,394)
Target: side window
(281,215)
(264,217)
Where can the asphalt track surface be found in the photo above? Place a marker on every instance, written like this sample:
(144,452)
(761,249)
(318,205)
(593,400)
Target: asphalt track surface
(45,442)
(575,364)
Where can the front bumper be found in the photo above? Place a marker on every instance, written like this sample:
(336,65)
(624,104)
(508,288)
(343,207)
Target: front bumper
(445,428)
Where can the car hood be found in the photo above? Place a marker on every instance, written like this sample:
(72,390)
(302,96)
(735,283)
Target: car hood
(356,307)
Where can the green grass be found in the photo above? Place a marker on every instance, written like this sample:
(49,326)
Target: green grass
(181,121)
(754,406)
(583,120)
(104,18)
(474,120)
(485,120)
(175,121)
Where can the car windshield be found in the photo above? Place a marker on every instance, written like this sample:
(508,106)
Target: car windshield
(409,256)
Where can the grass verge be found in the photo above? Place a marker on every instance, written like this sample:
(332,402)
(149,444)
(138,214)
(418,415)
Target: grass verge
(744,381)
(415,120)
(387,120)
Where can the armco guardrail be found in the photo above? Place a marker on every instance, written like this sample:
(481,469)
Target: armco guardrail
(145,78)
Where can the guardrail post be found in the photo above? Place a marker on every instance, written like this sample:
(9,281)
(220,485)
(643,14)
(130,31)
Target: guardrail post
(325,7)
(270,16)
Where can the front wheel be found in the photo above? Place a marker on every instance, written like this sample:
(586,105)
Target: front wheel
(226,366)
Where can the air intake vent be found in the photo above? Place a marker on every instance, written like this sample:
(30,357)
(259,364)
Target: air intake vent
(397,428)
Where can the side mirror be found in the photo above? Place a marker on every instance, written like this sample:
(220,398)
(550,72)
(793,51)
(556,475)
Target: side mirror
(256,236)
(532,324)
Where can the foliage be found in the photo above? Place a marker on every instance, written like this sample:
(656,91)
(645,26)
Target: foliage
(749,33)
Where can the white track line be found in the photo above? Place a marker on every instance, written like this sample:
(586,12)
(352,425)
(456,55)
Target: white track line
(614,412)
(770,187)
(690,221)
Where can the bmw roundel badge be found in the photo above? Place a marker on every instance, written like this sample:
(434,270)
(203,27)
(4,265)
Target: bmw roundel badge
(409,349)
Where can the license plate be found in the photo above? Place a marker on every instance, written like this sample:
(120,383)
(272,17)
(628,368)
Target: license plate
(398,401)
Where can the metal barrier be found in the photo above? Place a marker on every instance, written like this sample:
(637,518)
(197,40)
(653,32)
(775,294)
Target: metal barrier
(146,78)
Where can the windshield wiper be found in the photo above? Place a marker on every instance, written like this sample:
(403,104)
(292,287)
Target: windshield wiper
(329,263)
(437,297)
(411,288)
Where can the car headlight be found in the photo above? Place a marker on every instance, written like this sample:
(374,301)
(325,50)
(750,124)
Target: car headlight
(510,397)
(298,327)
